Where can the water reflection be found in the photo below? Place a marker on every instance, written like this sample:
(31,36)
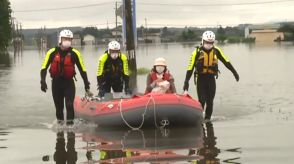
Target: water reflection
(4,59)
(65,152)
(209,151)
(3,137)
(17,52)
(161,145)
(189,45)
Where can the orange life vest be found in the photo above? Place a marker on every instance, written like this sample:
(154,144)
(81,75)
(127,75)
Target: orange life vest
(62,66)
(166,76)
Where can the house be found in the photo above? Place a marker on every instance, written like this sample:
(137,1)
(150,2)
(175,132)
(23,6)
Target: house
(89,39)
(264,32)
(150,38)
(116,33)
(112,35)
(109,39)
(77,40)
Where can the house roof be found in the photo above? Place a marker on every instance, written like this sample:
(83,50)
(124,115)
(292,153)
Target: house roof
(264,31)
(153,34)
(264,26)
(76,36)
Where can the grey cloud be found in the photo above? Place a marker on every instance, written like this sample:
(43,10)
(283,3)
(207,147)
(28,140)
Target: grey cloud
(161,14)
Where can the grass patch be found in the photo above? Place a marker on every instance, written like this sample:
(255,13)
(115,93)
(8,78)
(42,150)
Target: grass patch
(143,71)
(236,39)
(248,40)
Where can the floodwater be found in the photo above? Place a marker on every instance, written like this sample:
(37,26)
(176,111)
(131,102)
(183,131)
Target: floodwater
(253,119)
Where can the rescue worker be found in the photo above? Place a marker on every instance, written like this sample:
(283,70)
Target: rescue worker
(205,61)
(62,60)
(113,71)
(160,78)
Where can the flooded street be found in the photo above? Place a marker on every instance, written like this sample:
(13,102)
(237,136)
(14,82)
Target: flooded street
(252,121)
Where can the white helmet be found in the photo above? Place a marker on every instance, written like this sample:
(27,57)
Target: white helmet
(65,34)
(159,61)
(208,36)
(113,45)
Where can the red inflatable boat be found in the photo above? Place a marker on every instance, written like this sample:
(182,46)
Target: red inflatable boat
(151,110)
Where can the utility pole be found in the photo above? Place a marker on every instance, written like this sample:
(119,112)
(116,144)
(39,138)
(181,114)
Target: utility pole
(146,30)
(130,44)
(129,25)
(21,37)
(116,20)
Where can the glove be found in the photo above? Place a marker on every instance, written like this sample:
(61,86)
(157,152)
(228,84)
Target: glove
(236,76)
(87,85)
(43,86)
(128,91)
(186,86)
(101,93)
(89,93)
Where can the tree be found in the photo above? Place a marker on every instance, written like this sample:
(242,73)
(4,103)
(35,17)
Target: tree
(92,31)
(140,31)
(221,34)
(188,35)
(287,28)
(5,24)
(164,32)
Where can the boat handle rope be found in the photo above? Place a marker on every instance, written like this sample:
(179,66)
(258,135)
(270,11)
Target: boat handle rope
(125,121)
(166,122)
(154,112)
(154,115)
(143,115)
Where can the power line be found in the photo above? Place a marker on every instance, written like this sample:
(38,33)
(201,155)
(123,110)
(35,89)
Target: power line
(215,4)
(161,11)
(97,24)
(152,4)
(186,25)
(64,8)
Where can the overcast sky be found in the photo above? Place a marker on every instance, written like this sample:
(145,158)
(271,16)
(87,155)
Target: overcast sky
(159,13)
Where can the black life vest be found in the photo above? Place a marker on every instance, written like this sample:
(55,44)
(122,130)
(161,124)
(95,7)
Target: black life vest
(113,68)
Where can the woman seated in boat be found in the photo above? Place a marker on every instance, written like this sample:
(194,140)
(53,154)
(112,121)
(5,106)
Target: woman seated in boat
(160,80)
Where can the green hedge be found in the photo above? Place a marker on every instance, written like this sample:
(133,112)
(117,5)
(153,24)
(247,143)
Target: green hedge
(143,71)
(240,40)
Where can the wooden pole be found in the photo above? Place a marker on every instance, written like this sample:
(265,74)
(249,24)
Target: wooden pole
(130,44)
